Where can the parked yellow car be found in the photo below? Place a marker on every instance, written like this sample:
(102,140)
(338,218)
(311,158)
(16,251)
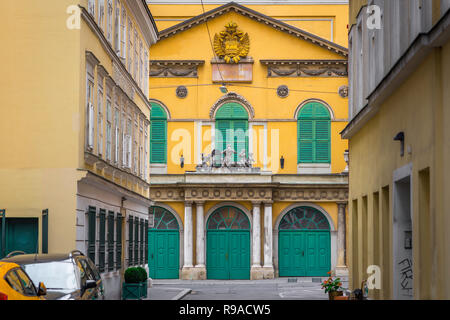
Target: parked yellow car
(16,285)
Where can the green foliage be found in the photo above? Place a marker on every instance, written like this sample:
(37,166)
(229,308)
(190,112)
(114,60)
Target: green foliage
(143,273)
(135,275)
(331,284)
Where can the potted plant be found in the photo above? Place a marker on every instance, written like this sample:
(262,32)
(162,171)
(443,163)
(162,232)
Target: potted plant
(135,285)
(333,287)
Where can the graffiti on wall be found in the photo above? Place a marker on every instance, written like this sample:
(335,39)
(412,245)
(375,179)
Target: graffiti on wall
(406,277)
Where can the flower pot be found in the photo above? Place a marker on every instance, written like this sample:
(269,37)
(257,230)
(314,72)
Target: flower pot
(333,294)
(134,291)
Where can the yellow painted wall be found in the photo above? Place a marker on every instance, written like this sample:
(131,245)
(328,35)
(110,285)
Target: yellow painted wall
(261,93)
(419,107)
(39,115)
(169,15)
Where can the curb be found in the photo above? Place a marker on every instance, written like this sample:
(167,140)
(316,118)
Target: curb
(182,294)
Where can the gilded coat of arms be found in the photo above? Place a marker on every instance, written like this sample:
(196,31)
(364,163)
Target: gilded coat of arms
(231,44)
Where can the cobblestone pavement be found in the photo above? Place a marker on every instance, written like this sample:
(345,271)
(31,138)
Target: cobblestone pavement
(274,289)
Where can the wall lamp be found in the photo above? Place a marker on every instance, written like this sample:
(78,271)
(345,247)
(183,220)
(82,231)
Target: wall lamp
(182,161)
(401,137)
(282,162)
(223,88)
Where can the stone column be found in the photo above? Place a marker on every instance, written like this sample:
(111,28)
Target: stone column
(200,266)
(256,270)
(341,267)
(268,241)
(188,242)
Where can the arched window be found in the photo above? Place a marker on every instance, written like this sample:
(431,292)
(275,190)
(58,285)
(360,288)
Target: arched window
(158,134)
(228,218)
(163,219)
(232,128)
(304,218)
(313,134)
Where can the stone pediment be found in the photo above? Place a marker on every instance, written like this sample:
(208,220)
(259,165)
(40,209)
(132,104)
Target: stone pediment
(256,16)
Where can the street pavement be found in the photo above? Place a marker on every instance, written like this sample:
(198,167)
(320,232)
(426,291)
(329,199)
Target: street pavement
(274,289)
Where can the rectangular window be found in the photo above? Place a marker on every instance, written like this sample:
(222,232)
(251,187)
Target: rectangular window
(108,129)
(130,44)
(123,37)
(102,236)
(109,18)
(118,241)
(117,32)
(141,150)
(100,116)
(158,143)
(116,134)
(136,60)
(141,65)
(90,110)
(146,241)
(101,14)
(91,7)
(146,73)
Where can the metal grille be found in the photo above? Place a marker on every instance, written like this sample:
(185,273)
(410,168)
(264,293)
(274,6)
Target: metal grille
(164,220)
(304,218)
(228,218)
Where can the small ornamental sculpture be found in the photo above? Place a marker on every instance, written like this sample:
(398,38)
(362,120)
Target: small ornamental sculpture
(242,159)
(181,92)
(231,44)
(228,156)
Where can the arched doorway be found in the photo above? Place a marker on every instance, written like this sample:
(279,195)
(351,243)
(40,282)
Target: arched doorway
(228,244)
(163,245)
(304,243)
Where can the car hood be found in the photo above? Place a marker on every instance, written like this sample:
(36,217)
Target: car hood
(58,295)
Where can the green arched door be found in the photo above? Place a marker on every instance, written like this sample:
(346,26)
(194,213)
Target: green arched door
(304,243)
(228,245)
(164,246)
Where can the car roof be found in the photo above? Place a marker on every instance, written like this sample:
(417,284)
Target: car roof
(37,258)
(8,265)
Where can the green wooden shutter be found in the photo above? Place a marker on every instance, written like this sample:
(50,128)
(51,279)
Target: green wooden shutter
(136,241)
(305,141)
(158,135)
(141,255)
(223,134)
(322,141)
(158,141)
(91,232)
(45,231)
(146,241)
(119,241)
(130,241)
(313,131)
(110,241)
(102,233)
(240,129)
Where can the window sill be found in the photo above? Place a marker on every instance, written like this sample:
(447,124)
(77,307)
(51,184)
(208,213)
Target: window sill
(313,168)
(158,168)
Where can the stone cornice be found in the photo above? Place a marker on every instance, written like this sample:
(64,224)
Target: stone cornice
(109,167)
(175,68)
(178,193)
(256,16)
(306,68)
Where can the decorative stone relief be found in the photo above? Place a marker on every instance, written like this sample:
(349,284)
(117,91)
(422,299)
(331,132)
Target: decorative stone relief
(343,91)
(283,91)
(181,92)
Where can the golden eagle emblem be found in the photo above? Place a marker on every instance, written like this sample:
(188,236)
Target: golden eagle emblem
(231,44)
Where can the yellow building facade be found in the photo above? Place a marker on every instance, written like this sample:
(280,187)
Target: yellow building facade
(398,148)
(74,123)
(247,166)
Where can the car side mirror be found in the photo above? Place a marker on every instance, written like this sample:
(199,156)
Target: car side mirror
(90,284)
(42,290)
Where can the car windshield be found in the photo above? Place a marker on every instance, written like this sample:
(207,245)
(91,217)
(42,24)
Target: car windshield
(56,275)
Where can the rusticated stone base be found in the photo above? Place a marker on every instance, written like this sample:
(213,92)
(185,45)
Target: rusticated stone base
(193,273)
(260,273)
